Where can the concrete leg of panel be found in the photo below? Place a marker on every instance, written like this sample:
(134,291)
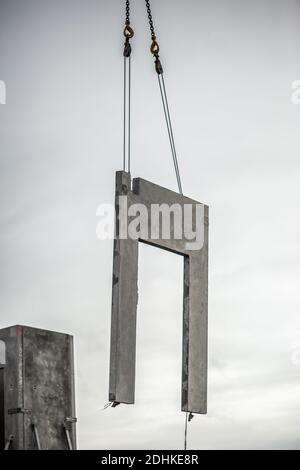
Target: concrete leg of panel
(124,307)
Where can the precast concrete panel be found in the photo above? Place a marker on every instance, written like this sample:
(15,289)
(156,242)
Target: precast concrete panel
(144,196)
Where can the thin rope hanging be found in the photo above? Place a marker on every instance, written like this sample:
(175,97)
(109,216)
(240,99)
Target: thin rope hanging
(185,431)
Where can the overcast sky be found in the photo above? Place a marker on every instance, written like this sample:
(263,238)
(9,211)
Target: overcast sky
(229,66)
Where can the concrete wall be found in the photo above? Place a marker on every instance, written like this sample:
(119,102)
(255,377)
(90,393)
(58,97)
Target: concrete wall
(38,388)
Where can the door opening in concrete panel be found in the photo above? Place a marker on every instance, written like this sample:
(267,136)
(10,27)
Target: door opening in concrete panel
(159,329)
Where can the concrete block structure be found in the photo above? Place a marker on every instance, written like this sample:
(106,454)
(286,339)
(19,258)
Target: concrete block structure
(37,399)
(125,291)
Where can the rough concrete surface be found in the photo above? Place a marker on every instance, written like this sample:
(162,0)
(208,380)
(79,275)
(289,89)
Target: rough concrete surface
(38,389)
(125,297)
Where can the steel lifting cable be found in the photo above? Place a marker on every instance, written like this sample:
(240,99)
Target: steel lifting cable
(164,98)
(154,49)
(127,114)
(128,33)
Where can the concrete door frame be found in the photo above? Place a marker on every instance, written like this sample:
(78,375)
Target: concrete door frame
(125,295)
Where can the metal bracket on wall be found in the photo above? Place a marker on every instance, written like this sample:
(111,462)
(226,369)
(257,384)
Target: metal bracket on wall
(36,436)
(15,411)
(67,428)
(9,442)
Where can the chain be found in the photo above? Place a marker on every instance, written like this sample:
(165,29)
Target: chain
(150,20)
(154,49)
(127,21)
(128,31)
